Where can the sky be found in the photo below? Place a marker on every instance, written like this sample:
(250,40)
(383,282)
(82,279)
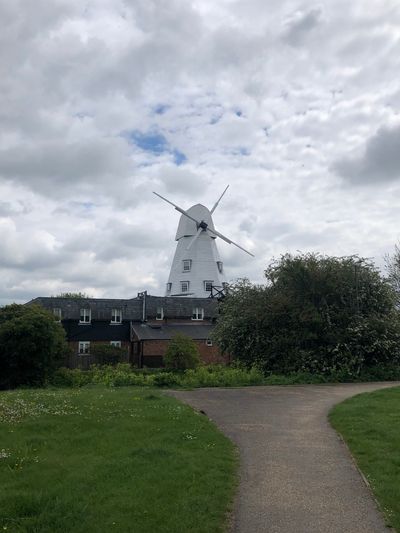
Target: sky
(294,104)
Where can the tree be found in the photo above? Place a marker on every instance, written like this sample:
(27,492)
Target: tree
(32,345)
(182,353)
(393,270)
(315,313)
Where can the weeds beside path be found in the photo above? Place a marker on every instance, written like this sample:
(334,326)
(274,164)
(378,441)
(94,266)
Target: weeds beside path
(102,459)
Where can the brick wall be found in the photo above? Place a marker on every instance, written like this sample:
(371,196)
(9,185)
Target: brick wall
(208,354)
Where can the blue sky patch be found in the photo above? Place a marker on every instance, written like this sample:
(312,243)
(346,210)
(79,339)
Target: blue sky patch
(160,109)
(179,157)
(155,143)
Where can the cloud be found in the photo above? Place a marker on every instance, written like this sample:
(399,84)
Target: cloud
(263,96)
(379,163)
(300,24)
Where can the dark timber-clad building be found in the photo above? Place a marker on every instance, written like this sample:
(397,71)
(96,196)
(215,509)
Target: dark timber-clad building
(141,326)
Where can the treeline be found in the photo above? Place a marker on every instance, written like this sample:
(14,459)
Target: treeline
(319,314)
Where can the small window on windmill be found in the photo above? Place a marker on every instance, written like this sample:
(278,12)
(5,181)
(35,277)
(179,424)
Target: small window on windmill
(169,287)
(160,313)
(220,266)
(198,313)
(57,313)
(208,285)
(184,286)
(187,265)
(209,342)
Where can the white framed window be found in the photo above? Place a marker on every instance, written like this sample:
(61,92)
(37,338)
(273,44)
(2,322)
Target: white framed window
(160,313)
(169,287)
(84,347)
(208,285)
(57,313)
(209,342)
(198,313)
(220,266)
(184,286)
(116,344)
(187,265)
(85,316)
(116,316)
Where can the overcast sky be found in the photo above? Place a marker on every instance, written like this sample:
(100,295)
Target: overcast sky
(295,104)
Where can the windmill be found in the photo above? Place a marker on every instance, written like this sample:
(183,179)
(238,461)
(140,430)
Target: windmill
(197,267)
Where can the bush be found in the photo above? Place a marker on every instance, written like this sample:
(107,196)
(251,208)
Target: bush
(166,379)
(106,354)
(316,314)
(32,345)
(182,353)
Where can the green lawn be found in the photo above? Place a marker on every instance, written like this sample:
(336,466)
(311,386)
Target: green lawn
(102,459)
(370,424)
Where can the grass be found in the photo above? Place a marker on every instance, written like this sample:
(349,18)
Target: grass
(370,424)
(99,459)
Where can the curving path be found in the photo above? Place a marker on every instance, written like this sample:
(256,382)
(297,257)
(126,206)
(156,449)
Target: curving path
(296,474)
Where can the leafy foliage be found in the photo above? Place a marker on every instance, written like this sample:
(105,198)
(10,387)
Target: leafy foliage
(236,375)
(74,295)
(393,270)
(105,354)
(315,314)
(182,353)
(32,345)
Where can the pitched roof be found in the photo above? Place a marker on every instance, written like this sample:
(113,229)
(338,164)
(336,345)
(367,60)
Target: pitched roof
(166,332)
(132,309)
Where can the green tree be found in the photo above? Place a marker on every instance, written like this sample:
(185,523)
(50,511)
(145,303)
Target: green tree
(32,345)
(393,271)
(182,353)
(315,313)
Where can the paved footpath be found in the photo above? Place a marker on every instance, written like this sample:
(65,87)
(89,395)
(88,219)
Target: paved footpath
(296,474)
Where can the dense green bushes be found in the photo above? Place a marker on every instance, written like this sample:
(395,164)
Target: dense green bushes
(32,345)
(322,315)
(207,376)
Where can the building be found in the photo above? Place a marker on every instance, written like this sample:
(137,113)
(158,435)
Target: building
(141,326)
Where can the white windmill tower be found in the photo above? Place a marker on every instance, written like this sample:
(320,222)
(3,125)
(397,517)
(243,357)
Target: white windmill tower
(197,266)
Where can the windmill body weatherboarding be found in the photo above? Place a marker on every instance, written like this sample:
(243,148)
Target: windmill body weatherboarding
(196,267)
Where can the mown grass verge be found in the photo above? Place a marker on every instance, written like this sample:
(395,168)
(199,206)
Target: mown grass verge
(208,376)
(370,425)
(99,459)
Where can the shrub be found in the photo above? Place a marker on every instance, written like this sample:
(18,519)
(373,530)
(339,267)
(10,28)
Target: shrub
(165,379)
(182,353)
(105,354)
(316,314)
(32,345)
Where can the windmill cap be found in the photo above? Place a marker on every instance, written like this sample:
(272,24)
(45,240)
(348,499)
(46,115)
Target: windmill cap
(187,227)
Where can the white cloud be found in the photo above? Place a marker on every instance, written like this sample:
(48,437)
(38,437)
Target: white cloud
(295,105)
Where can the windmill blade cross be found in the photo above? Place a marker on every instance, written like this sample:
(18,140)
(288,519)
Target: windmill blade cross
(218,234)
(219,199)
